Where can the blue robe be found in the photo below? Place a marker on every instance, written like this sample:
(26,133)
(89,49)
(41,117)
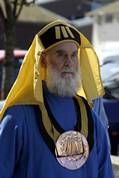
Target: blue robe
(100,111)
(24,154)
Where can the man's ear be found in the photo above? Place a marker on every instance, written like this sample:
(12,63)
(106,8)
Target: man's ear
(43,60)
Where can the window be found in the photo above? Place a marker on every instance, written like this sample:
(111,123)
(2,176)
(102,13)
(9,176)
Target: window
(99,19)
(108,18)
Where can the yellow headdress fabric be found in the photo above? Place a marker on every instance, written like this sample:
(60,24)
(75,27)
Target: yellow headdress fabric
(27,88)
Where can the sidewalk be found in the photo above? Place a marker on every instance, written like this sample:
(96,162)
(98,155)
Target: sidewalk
(115,163)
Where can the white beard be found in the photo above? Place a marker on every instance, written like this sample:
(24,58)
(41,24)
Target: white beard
(60,86)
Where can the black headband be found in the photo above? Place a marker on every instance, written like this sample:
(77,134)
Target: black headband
(55,33)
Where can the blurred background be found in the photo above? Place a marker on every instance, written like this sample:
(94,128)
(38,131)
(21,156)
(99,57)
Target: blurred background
(98,20)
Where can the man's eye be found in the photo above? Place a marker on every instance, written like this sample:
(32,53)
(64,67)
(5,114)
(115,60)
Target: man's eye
(60,54)
(74,54)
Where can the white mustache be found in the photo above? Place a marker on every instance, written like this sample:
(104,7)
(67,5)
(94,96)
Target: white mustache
(68,70)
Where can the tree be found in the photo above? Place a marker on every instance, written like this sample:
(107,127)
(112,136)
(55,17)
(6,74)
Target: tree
(9,13)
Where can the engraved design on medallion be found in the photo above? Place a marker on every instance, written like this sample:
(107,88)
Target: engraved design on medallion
(72,150)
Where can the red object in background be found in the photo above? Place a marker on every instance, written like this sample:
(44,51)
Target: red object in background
(18,53)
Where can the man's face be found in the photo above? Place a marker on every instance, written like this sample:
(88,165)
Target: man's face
(62,69)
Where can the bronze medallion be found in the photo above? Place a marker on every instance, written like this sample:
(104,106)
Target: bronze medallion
(72,150)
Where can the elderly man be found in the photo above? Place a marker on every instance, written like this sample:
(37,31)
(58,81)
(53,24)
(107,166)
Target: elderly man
(47,126)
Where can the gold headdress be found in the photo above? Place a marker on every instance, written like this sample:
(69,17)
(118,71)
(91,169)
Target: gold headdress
(27,88)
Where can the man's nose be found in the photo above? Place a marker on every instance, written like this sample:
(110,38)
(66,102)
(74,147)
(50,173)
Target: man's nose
(68,61)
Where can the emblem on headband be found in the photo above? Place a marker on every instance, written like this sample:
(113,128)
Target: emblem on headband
(72,150)
(62,30)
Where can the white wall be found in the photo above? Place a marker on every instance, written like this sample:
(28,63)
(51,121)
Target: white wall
(105,36)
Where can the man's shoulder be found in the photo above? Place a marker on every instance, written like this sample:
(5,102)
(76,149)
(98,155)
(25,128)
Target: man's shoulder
(19,113)
(19,108)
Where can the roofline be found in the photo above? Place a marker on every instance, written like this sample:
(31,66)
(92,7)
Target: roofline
(104,9)
(83,22)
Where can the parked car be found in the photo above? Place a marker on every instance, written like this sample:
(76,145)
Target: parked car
(18,55)
(1,104)
(110,77)
(112,110)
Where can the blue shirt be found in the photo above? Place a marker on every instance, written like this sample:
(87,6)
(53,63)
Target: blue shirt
(24,154)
